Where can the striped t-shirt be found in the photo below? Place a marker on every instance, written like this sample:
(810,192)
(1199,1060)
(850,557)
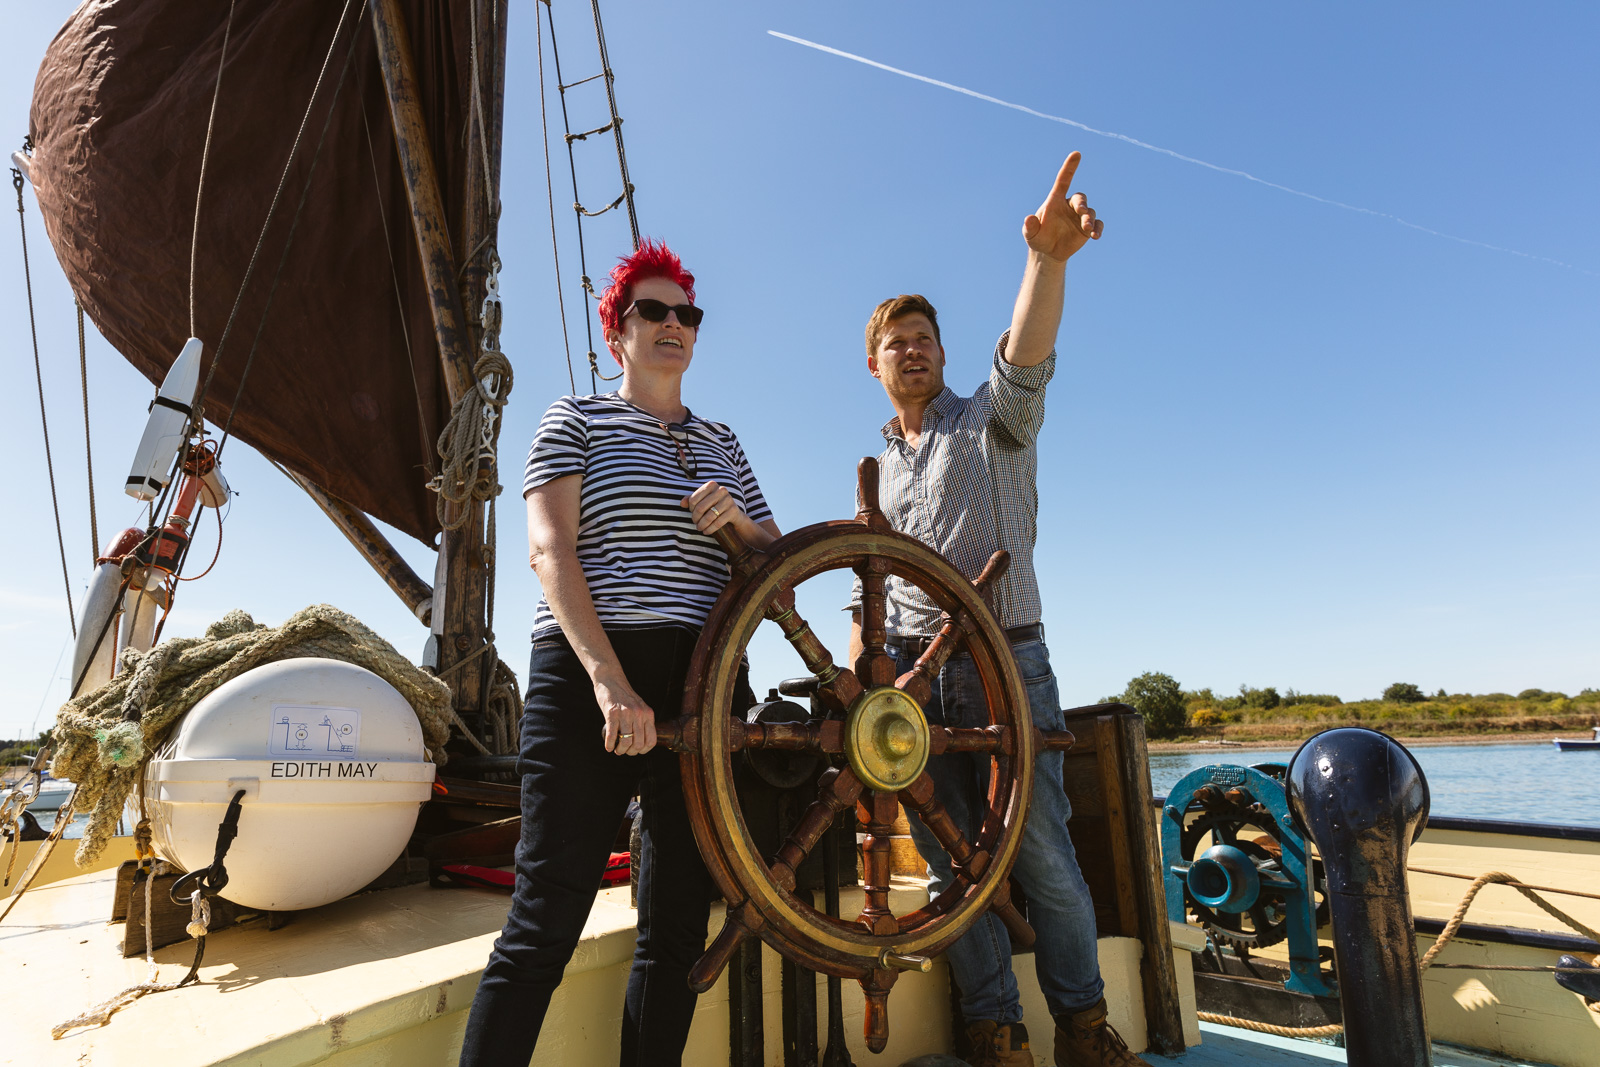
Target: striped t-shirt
(645,561)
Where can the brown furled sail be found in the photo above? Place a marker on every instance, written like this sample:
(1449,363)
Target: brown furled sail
(346,386)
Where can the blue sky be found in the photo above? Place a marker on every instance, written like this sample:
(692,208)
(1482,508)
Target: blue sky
(1287,444)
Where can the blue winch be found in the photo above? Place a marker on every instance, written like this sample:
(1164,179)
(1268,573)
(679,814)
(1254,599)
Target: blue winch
(1256,883)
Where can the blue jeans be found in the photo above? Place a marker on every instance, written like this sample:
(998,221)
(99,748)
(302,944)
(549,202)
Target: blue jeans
(1059,906)
(574,795)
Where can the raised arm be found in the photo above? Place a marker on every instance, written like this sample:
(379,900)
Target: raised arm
(630,723)
(1061,226)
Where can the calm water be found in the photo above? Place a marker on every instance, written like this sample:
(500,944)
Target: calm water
(1526,782)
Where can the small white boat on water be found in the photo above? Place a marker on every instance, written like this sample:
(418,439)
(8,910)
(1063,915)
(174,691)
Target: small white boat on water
(53,792)
(1578,744)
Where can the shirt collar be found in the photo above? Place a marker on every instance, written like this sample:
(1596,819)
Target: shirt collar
(939,407)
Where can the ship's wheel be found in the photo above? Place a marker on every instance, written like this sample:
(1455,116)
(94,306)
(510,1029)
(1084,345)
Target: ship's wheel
(878,742)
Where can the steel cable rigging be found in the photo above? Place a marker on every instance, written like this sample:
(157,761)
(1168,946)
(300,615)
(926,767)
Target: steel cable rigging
(614,127)
(44,422)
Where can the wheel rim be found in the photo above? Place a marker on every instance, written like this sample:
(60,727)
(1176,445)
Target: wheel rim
(791,924)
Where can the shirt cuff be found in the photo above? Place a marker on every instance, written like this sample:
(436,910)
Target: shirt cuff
(1034,377)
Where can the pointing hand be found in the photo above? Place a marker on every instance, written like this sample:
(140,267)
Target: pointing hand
(1062,225)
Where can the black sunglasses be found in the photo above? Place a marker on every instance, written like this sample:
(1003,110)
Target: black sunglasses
(680,440)
(656,311)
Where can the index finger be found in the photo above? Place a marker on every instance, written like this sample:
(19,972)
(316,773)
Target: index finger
(704,491)
(1064,178)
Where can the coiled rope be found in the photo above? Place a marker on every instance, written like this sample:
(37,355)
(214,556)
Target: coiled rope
(1445,937)
(467,443)
(105,737)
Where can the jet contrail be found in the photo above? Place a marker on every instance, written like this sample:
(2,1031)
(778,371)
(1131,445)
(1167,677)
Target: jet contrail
(1169,152)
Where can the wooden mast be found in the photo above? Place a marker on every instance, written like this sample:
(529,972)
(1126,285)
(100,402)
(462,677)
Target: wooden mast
(374,547)
(459,621)
(466,557)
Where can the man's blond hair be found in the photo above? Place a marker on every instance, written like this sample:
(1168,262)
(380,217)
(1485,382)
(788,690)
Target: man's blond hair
(898,307)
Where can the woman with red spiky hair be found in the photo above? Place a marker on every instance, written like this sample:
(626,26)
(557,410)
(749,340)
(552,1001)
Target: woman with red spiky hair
(624,492)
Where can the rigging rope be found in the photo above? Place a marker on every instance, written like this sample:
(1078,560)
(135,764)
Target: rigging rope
(44,423)
(616,122)
(294,223)
(466,445)
(399,300)
(64,815)
(272,209)
(499,695)
(581,212)
(477,110)
(550,195)
(205,153)
(88,451)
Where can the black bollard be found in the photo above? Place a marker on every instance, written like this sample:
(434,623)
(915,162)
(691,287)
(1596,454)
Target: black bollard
(1363,800)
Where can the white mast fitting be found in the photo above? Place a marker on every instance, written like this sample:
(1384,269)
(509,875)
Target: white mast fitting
(170,415)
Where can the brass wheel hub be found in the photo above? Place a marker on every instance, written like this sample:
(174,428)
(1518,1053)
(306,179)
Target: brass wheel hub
(886,739)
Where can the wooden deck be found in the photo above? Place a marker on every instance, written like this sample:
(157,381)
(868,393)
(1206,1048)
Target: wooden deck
(386,979)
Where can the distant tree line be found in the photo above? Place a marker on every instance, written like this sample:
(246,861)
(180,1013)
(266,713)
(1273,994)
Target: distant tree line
(14,752)
(1169,709)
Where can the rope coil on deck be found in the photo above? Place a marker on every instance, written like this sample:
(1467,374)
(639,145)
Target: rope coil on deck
(105,737)
(1445,937)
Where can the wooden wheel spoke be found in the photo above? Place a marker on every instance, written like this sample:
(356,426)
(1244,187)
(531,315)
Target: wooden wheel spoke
(875,1022)
(992,739)
(877,813)
(835,685)
(838,790)
(825,736)
(918,681)
(743,923)
(874,666)
(969,863)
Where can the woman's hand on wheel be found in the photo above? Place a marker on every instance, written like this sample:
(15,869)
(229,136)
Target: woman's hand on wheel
(713,507)
(630,728)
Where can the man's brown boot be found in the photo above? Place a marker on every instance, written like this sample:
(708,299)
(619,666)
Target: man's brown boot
(1085,1039)
(991,1044)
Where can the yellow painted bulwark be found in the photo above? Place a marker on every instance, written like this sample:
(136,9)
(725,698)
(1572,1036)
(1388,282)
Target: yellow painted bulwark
(387,978)
(1520,1014)
(59,864)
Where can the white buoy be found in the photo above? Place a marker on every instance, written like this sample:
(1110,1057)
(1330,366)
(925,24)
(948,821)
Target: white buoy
(168,427)
(331,761)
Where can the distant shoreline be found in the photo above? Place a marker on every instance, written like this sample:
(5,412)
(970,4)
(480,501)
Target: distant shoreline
(1529,738)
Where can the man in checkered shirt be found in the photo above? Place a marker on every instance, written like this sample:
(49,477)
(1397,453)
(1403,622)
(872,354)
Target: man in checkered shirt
(960,474)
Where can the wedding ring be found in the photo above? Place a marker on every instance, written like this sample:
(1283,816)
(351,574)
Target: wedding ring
(715,512)
(625,735)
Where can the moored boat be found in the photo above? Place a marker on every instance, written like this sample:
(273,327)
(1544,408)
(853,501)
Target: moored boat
(53,792)
(1579,744)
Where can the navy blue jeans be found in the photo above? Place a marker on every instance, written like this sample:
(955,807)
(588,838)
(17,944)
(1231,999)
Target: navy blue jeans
(574,797)
(1060,909)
